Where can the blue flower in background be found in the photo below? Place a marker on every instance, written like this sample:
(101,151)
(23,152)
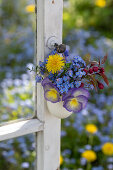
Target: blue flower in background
(25,165)
(110,166)
(97,148)
(82,160)
(63,133)
(98,168)
(66,53)
(88,147)
(66,152)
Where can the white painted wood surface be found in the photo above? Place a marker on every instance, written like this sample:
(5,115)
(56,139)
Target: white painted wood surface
(49,23)
(20,128)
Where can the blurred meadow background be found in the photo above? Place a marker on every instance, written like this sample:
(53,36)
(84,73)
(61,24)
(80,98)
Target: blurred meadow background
(87,138)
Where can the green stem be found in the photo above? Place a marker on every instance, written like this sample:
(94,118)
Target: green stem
(91,139)
(88,166)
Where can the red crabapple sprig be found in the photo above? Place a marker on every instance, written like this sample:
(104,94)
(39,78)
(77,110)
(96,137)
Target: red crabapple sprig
(93,69)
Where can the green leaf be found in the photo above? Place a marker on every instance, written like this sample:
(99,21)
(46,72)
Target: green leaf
(68,65)
(87,58)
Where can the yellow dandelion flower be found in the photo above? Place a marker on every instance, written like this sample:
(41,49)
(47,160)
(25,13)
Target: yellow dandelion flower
(100,3)
(61,160)
(91,128)
(30,8)
(107,148)
(89,155)
(55,63)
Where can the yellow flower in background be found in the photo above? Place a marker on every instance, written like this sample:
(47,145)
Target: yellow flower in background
(89,155)
(66,16)
(91,128)
(107,148)
(100,3)
(61,160)
(30,8)
(55,63)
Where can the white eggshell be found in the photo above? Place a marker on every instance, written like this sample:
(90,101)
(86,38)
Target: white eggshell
(58,110)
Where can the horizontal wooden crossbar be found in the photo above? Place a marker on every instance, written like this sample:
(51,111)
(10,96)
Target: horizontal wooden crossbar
(20,128)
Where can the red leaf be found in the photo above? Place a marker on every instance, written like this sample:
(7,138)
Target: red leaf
(105,78)
(94,85)
(93,81)
(104,59)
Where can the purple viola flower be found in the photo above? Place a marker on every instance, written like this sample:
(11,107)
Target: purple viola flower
(76,92)
(51,93)
(45,81)
(76,99)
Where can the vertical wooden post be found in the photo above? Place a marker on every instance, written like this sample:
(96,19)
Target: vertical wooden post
(49,24)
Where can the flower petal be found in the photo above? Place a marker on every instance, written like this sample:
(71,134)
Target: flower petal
(76,92)
(71,104)
(48,86)
(67,94)
(52,95)
(45,81)
(80,91)
(82,99)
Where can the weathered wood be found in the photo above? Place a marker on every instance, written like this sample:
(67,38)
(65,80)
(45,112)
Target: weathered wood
(24,127)
(49,23)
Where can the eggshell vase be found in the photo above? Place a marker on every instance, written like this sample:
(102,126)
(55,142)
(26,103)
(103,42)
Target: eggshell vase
(57,110)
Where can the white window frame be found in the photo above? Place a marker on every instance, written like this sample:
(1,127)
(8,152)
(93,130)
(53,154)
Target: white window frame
(45,126)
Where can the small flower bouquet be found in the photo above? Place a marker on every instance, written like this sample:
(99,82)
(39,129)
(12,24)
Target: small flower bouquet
(66,80)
